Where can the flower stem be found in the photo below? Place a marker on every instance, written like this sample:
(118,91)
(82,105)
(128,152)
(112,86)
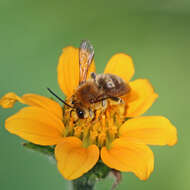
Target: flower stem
(82,183)
(88,180)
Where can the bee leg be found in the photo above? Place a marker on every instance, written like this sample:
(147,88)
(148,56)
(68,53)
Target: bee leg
(117,99)
(75,119)
(93,75)
(91,113)
(71,113)
(104,103)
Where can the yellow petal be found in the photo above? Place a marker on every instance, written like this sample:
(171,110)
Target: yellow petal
(36,125)
(9,99)
(141,97)
(68,70)
(121,65)
(153,130)
(129,157)
(43,102)
(73,159)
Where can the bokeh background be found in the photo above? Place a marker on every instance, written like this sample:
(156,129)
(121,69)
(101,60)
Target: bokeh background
(155,33)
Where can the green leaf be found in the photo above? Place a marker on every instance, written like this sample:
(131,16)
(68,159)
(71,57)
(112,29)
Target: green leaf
(46,150)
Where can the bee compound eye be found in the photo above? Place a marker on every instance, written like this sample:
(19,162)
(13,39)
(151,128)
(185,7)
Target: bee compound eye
(80,113)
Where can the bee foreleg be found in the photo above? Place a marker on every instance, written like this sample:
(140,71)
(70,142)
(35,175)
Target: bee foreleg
(104,103)
(71,112)
(116,99)
(91,113)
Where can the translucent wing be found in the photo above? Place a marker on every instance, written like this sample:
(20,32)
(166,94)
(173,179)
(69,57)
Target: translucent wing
(86,54)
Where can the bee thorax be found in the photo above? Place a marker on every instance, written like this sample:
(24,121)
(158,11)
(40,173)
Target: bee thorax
(87,93)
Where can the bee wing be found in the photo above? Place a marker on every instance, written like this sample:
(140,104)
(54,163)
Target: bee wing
(86,54)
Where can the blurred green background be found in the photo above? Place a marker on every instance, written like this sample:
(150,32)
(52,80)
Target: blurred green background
(155,33)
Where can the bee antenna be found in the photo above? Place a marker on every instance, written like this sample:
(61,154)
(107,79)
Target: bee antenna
(58,97)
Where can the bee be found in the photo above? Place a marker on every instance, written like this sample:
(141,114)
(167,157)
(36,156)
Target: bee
(97,88)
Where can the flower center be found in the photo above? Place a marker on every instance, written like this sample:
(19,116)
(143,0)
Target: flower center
(100,126)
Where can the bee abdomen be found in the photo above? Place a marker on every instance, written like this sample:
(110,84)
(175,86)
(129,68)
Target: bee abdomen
(112,85)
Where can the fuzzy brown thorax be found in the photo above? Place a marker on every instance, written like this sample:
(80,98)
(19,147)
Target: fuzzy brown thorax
(98,88)
(86,94)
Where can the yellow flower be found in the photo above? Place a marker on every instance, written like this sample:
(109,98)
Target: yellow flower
(121,144)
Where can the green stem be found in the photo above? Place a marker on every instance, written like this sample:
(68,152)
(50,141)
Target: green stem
(83,183)
(88,180)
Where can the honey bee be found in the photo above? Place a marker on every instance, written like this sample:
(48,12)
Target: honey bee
(97,88)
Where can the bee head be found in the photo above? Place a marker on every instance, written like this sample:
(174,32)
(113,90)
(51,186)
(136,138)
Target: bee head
(81,113)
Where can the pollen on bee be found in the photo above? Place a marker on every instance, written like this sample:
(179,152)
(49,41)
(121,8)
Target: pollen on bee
(78,131)
(102,128)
